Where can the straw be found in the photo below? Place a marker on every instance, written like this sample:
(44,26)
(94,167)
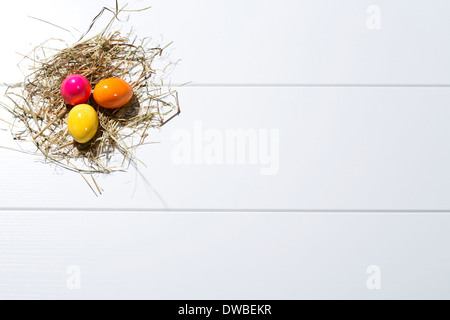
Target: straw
(39,112)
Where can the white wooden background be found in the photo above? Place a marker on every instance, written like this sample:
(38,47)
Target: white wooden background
(363,173)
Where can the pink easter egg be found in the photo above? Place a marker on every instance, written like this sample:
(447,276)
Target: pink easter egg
(76,89)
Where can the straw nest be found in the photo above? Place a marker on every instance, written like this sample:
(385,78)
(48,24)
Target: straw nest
(39,112)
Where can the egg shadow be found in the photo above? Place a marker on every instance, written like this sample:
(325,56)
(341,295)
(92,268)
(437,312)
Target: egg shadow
(130,110)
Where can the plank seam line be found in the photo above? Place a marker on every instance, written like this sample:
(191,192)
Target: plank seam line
(285,211)
(314,85)
(297,85)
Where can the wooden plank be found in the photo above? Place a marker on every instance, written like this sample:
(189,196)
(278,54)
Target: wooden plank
(302,148)
(261,41)
(221,256)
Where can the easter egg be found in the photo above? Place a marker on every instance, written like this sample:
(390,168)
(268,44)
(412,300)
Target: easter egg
(82,123)
(113,93)
(76,89)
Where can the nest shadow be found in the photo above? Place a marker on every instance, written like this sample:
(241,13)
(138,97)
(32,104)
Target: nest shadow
(121,116)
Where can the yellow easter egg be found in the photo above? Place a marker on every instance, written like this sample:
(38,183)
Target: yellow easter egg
(82,123)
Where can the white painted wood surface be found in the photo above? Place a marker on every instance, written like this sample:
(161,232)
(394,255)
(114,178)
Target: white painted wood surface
(254,65)
(260,41)
(222,256)
(358,149)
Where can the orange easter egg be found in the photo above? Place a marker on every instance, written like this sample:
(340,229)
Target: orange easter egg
(113,93)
